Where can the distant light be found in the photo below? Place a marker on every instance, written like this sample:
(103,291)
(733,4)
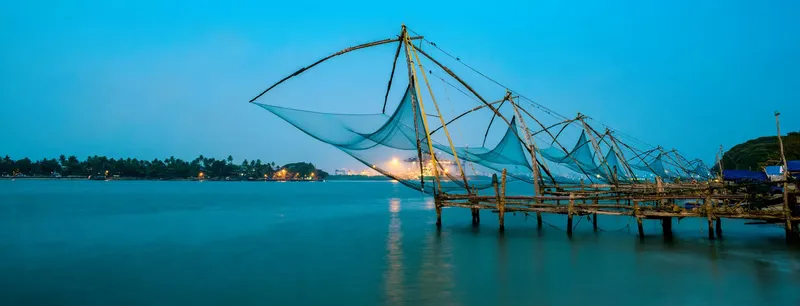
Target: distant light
(395,161)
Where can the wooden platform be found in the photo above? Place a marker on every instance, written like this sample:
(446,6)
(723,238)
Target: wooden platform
(712,202)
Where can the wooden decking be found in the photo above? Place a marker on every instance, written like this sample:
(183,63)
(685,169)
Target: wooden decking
(713,202)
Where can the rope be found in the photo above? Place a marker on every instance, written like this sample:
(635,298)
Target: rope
(531,101)
(487,77)
(579,222)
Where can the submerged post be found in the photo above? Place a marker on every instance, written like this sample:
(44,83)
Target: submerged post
(638,219)
(718,228)
(438,205)
(709,214)
(666,226)
(569,213)
(539,219)
(787,211)
(501,204)
(476,217)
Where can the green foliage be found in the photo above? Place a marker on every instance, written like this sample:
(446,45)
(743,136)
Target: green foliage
(303,170)
(763,151)
(169,168)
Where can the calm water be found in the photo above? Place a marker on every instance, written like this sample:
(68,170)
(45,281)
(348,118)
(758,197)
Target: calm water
(354,243)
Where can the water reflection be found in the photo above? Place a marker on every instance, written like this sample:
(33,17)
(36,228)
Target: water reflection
(394,257)
(436,276)
(527,264)
(429,204)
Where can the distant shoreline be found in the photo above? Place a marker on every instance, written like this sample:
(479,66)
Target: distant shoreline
(329,178)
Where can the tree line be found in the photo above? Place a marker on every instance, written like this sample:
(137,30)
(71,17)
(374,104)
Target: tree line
(169,168)
(757,153)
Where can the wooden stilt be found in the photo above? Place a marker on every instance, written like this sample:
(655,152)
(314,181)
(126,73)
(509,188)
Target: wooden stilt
(718,228)
(709,214)
(501,205)
(476,217)
(438,215)
(638,219)
(641,228)
(539,219)
(666,226)
(791,236)
(594,216)
(569,213)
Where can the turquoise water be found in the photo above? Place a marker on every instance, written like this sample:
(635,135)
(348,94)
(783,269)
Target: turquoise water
(355,243)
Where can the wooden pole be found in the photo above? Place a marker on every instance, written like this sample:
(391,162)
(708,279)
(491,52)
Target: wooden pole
(539,219)
(569,213)
(421,105)
(786,209)
(502,204)
(710,215)
(438,212)
(718,228)
(638,219)
(660,189)
(790,235)
(666,226)
(531,145)
(441,119)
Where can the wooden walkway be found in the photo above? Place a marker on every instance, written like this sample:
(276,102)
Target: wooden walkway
(642,201)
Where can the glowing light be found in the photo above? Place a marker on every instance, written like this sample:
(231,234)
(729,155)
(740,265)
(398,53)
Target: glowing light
(395,161)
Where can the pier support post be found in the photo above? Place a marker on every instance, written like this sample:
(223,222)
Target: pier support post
(476,216)
(718,228)
(666,226)
(707,204)
(594,215)
(640,227)
(501,205)
(438,215)
(539,219)
(638,219)
(569,213)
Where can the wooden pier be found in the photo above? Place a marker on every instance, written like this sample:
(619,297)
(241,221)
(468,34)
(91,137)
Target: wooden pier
(640,201)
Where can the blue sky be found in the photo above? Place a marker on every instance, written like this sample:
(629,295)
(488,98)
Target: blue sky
(158,78)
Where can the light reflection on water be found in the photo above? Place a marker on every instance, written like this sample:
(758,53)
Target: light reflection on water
(356,244)
(394,256)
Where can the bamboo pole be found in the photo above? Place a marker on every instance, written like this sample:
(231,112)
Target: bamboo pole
(532,146)
(790,235)
(721,155)
(597,151)
(621,157)
(343,51)
(477,95)
(431,152)
(441,118)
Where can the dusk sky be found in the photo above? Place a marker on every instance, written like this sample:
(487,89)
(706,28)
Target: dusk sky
(154,79)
